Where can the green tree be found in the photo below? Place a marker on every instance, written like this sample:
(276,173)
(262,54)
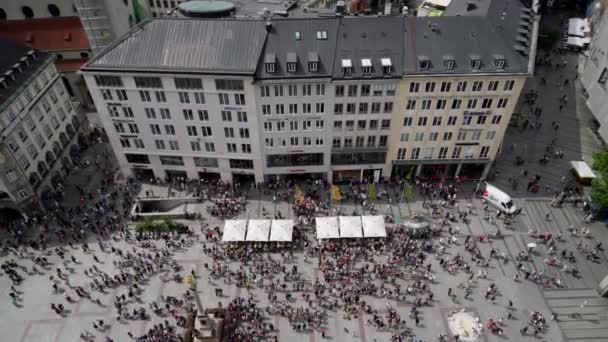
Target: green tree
(599,187)
(371,192)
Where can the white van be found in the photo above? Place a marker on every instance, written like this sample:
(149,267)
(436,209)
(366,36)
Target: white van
(498,199)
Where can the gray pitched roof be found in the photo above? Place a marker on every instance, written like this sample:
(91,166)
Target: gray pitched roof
(12,54)
(189,45)
(370,38)
(282,42)
(491,30)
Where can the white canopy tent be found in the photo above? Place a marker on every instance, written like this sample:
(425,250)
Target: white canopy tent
(281,230)
(234,230)
(327,227)
(373,226)
(578,42)
(258,230)
(350,227)
(578,27)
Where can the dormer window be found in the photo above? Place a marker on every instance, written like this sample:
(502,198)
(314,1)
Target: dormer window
(448,62)
(424,63)
(321,35)
(292,60)
(387,66)
(347,67)
(313,61)
(499,61)
(475,61)
(366,66)
(269,62)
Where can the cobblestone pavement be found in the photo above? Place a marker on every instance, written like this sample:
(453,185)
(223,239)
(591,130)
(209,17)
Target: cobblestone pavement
(35,321)
(574,136)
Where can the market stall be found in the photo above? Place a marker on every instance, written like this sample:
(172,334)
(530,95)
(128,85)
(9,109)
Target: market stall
(327,227)
(350,227)
(281,230)
(582,171)
(234,230)
(373,226)
(258,230)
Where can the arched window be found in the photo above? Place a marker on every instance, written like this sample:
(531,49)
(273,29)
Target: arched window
(27,12)
(2,14)
(54,10)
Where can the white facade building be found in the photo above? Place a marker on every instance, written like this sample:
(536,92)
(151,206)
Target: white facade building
(39,126)
(594,77)
(334,98)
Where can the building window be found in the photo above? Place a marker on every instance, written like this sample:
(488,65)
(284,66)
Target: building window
(339,91)
(160,144)
(322,35)
(229,132)
(171,160)
(291,67)
(223,98)
(209,147)
(496,119)
(21,191)
(461,86)
(445,86)
(456,152)
(313,66)
(106,94)
(509,85)
(145,96)
(414,87)
(492,85)
(437,121)
(499,63)
(448,64)
(160,96)
(475,63)
(231,85)
(188,83)
(239,99)
(241,116)
(165,114)
(452,120)
(477,85)
(241,164)
(366,66)
(429,87)
(415,153)
(347,67)
(486,103)
(422,121)
(424,64)
(443,152)
(269,67)
(137,158)
(148,82)
(108,81)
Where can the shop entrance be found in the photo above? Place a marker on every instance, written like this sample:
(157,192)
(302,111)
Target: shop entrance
(345,176)
(243,179)
(144,175)
(208,176)
(403,171)
(372,175)
(471,171)
(176,175)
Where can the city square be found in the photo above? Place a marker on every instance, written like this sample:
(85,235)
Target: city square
(413,171)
